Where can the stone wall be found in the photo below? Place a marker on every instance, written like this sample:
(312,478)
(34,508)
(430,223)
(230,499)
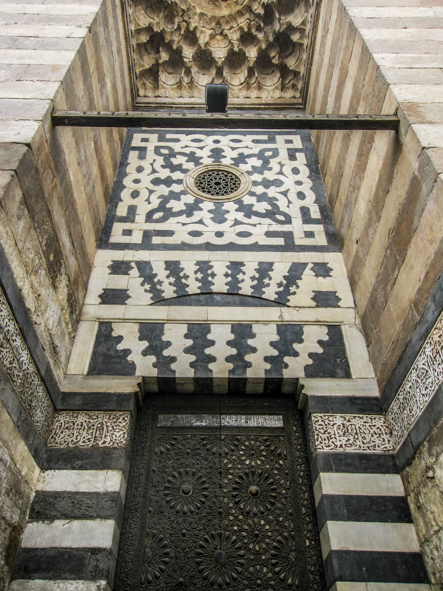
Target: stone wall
(384,189)
(18,475)
(54,189)
(385,192)
(55,183)
(424,487)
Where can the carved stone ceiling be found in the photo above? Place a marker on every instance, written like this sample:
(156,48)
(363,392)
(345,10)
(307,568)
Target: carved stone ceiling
(259,47)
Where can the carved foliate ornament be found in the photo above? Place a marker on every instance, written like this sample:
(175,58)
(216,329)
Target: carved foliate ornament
(258,47)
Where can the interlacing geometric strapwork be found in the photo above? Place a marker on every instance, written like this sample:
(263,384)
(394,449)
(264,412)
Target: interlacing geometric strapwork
(419,386)
(90,429)
(22,372)
(222,511)
(151,206)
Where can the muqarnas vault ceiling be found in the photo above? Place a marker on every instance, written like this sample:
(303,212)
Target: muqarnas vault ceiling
(260,48)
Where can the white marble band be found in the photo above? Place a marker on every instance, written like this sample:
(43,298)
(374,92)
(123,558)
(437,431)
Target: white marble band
(368,537)
(346,586)
(45,585)
(334,483)
(100,481)
(62,533)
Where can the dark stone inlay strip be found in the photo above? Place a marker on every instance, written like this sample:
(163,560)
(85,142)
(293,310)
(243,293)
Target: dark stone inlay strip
(86,459)
(97,401)
(289,246)
(106,358)
(288,335)
(242,334)
(64,564)
(199,334)
(204,274)
(262,275)
(150,279)
(375,567)
(177,276)
(218,300)
(359,405)
(76,505)
(363,508)
(115,297)
(289,285)
(353,463)
(152,333)
(332,362)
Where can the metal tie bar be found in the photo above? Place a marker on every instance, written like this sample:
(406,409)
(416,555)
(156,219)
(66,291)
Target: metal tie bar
(174,120)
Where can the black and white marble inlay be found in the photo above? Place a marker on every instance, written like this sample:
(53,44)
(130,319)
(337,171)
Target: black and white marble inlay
(202,350)
(285,209)
(311,282)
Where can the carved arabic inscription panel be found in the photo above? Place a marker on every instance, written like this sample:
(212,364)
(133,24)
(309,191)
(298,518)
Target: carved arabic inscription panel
(220,508)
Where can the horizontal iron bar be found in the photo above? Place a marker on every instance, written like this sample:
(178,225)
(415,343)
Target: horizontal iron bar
(159,119)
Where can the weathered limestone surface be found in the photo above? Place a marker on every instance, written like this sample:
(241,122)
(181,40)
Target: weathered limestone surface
(54,183)
(54,186)
(424,487)
(385,189)
(18,476)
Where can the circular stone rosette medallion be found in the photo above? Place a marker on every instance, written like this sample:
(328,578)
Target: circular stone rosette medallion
(217,182)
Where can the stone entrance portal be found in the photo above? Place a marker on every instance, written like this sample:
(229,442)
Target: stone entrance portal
(219,498)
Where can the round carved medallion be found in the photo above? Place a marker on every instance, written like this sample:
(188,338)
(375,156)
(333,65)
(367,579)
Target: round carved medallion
(217,182)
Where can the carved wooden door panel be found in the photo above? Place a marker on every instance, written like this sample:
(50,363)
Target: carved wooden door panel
(219,502)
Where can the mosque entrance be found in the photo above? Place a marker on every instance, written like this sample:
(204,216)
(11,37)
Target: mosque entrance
(219,497)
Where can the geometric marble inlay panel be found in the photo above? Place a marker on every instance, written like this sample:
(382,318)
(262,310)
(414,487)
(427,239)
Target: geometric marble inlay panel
(285,209)
(145,278)
(202,350)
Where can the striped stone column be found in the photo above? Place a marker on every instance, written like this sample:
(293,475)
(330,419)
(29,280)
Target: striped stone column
(367,536)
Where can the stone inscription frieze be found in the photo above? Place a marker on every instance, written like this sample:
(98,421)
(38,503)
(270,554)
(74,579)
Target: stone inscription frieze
(351,433)
(421,383)
(90,429)
(258,47)
(22,372)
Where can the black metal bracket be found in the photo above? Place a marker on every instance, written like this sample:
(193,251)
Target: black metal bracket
(260,120)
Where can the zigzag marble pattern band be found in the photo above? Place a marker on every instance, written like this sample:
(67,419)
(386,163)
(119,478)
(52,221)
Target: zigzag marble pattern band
(237,350)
